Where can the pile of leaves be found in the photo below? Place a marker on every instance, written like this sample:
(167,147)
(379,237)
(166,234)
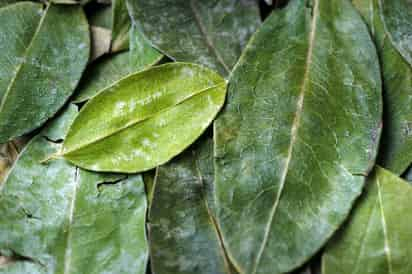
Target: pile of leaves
(206,136)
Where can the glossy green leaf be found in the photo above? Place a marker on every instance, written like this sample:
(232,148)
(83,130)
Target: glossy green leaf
(396,146)
(120,26)
(397,18)
(377,237)
(211,33)
(43,55)
(183,235)
(297,136)
(148,118)
(109,70)
(56,218)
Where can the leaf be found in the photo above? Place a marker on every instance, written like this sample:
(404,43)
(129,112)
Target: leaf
(120,26)
(183,235)
(211,33)
(107,71)
(377,236)
(297,136)
(397,18)
(56,218)
(43,56)
(148,118)
(396,146)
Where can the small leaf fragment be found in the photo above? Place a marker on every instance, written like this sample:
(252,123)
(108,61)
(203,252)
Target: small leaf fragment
(377,237)
(101,38)
(148,118)
(120,26)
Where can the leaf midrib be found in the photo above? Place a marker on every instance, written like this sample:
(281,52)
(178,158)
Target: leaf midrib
(214,223)
(137,121)
(68,249)
(206,37)
(294,131)
(24,56)
(387,249)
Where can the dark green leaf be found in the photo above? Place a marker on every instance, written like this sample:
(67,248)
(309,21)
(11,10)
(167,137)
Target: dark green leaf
(209,32)
(183,235)
(99,16)
(397,18)
(141,52)
(70,2)
(396,147)
(56,218)
(148,118)
(297,136)
(377,238)
(106,72)
(43,54)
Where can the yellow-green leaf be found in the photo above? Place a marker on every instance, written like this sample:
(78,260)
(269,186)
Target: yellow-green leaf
(145,119)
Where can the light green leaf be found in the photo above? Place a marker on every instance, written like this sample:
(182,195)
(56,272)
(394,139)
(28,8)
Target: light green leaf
(183,235)
(147,118)
(209,32)
(43,56)
(397,18)
(396,146)
(57,218)
(298,134)
(377,237)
